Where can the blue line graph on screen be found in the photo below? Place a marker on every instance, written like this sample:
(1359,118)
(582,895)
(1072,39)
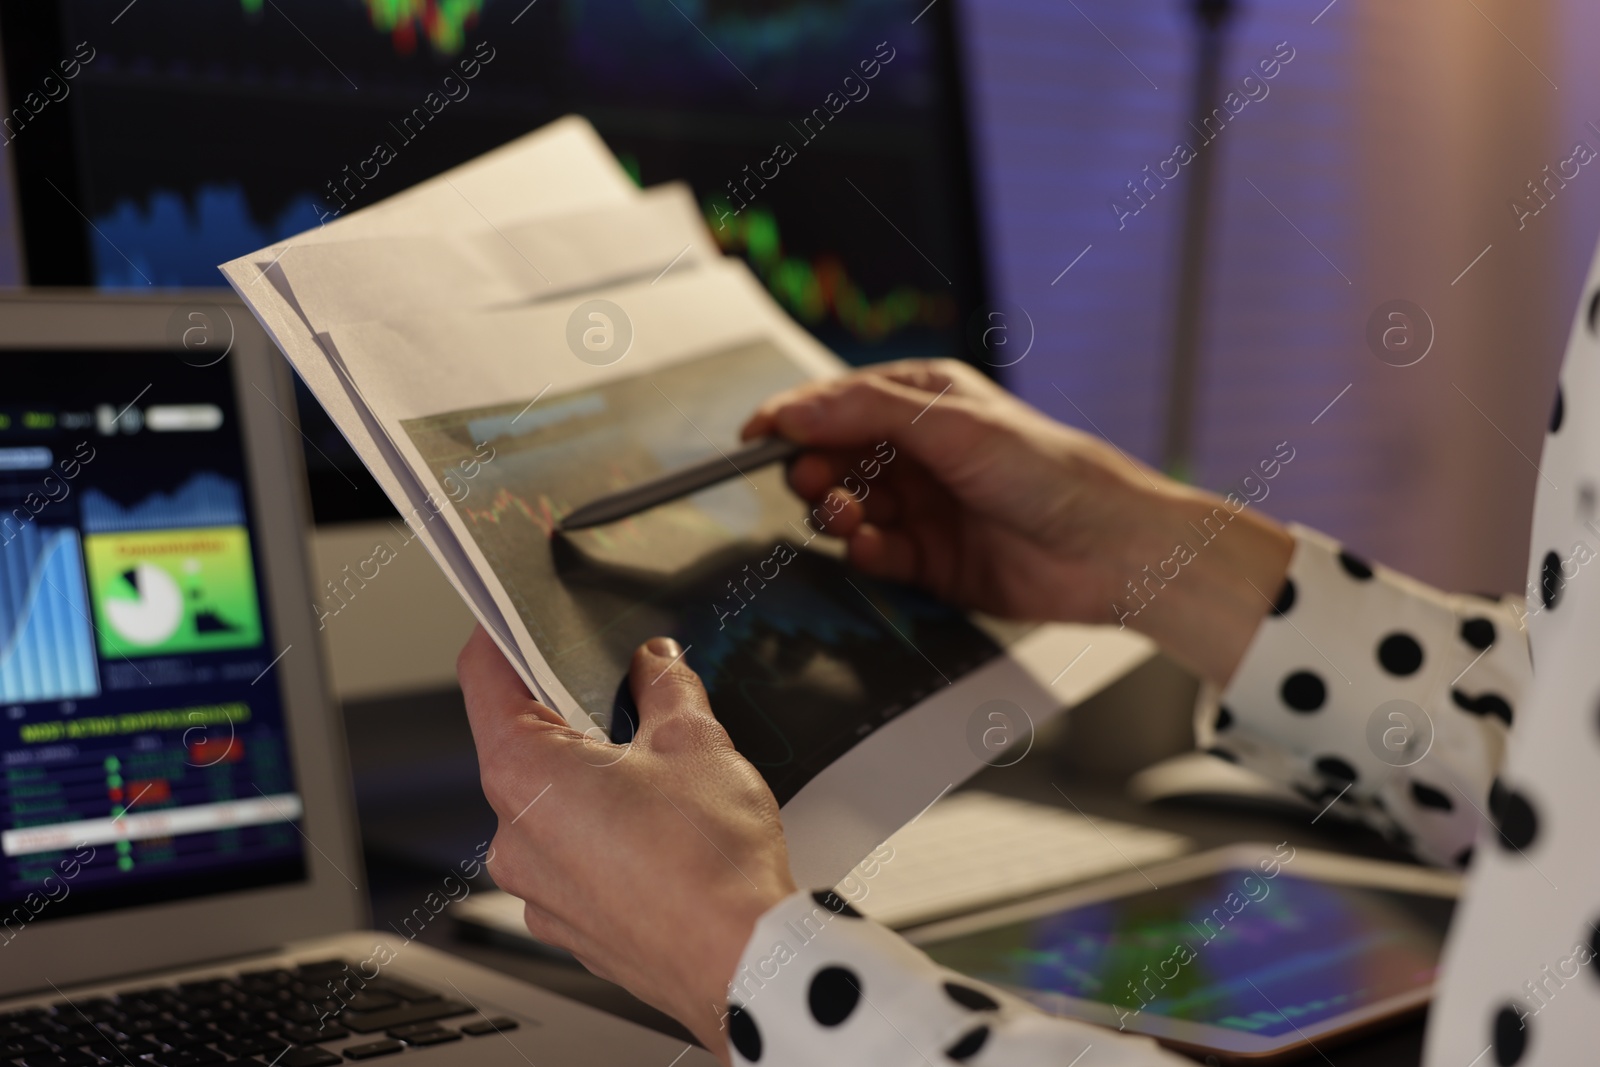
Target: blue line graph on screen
(206,499)
(46,648)
(177,238)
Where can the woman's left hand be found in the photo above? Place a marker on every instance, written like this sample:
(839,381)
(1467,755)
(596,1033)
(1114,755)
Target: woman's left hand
(650,862)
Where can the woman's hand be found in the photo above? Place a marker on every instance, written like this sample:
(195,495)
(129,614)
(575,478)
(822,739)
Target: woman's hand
(649,862)
(994,506)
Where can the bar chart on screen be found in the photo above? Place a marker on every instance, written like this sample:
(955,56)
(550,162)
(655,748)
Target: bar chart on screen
(46,648)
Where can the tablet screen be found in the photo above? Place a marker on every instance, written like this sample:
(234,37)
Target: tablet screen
(1235,949)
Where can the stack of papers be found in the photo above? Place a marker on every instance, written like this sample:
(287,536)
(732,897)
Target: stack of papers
(374,309)
(530,331)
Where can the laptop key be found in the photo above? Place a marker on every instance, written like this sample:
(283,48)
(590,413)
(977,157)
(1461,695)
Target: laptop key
(404,990)
(309,1056)
(312,1035)
(267,1047)
(189,1057)
(373,1021)
(373,1048)
(370,1002)
(22,1046)
(62,1059)
(483,1027)
(437,1036)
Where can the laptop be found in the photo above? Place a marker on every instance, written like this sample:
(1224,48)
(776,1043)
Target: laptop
(182,873)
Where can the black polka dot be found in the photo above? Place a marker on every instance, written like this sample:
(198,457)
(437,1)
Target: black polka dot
(1400,654)
(1320,795)
(742,1032)
(1427,796)
(1510,1037)
(1304,691)
(1497,797)
(1222,754)
(1355,566)
(973,999)
(1334,767)
(1519,823)
(1594,946)
(1550,581)
(834,993)
(1483,704)
(1224,718)
(1494,704)
(1285,599)
(1558,411)
(1464,858)
(835,903)
(969,1045)
(1478,632)
(1594,317)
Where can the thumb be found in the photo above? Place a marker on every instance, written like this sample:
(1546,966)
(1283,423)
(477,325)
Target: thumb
(674,710)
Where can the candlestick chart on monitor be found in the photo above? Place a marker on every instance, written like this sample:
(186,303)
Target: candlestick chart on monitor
(199,132)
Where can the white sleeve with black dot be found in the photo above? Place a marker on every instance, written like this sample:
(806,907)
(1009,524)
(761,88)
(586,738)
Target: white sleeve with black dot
(1348,647)
(1521,982)
(820,985)
(1379,697)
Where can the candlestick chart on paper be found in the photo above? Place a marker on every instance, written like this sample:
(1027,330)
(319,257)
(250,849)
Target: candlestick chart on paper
(801,656)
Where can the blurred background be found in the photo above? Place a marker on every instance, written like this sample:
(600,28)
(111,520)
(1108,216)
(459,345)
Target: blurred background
(1002,190)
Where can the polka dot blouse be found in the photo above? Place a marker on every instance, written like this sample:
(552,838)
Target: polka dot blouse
(1388,702)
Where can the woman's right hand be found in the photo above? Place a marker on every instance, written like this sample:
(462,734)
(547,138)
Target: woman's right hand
(992,505)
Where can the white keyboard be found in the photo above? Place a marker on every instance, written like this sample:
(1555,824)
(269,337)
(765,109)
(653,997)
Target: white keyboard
(974,849)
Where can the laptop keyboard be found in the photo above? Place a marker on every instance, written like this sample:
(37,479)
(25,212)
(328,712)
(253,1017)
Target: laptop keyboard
(281,1017)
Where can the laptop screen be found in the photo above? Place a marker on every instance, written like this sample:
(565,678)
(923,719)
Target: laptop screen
(143,753)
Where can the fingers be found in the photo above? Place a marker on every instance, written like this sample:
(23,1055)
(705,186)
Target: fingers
(519,740)
(927,376)
(494,694)
(863,409)
(884,553)
(674,711)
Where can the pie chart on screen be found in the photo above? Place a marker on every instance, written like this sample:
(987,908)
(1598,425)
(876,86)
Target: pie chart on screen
(146,606)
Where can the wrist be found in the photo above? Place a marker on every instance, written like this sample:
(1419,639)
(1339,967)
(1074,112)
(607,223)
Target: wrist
(706,987)
(1199,574)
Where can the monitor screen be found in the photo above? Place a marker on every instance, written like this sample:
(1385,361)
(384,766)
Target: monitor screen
(143,755)
(824,139)
(1215,949)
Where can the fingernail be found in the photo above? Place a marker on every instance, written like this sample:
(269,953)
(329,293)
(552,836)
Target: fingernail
(663,646)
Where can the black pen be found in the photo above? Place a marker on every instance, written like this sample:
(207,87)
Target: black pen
(681,482)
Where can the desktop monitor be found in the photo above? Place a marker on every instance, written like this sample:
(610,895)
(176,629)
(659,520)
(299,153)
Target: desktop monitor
(825,139)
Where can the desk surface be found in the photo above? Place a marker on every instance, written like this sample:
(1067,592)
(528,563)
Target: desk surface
(421,812)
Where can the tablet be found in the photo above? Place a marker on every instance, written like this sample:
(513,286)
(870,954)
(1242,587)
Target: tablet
(1249,954)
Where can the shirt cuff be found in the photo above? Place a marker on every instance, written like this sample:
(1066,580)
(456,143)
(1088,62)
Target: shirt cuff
(1380,697)
(820,984)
